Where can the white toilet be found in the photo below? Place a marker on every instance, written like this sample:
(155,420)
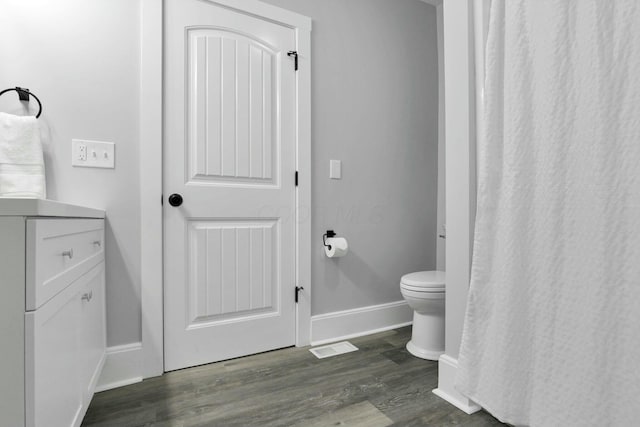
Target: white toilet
(424,292)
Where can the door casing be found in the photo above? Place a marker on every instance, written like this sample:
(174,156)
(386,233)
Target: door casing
(151,172)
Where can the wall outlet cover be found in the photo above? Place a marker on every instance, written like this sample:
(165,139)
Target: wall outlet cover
(93,154)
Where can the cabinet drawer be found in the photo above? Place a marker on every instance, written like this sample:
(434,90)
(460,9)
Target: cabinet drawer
(58,252)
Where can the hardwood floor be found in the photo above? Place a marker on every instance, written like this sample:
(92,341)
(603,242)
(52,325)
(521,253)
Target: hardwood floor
(379,385)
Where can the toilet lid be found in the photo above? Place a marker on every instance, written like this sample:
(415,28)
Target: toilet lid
(425,280)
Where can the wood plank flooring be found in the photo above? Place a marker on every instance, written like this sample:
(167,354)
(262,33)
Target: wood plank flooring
(381,384)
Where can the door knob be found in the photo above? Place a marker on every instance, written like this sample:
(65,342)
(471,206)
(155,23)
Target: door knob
(175,200)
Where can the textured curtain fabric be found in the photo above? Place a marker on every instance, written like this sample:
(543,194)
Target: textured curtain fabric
(552,329)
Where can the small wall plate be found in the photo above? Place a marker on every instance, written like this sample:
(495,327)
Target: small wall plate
(92,154)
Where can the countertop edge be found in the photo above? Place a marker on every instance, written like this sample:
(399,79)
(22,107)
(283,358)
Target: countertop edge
(46,208)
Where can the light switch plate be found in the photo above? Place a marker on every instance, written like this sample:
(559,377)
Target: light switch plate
(335,169)
(93,154)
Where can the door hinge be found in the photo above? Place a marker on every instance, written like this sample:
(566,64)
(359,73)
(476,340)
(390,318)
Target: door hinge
(298,289)
(295,58)
(162,200)
(296,178)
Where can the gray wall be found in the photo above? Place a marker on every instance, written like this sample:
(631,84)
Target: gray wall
(375,107)
(81,59)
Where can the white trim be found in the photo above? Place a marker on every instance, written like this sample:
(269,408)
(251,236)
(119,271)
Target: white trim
(342,325)
(151,187)
(123,366)
(460,179)
(447,370)
(460,119)
(268,11)
(441,246)
(303,200)
(151,292)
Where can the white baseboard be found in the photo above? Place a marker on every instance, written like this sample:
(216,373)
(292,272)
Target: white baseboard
(123,366)
(447,369)
(341,325)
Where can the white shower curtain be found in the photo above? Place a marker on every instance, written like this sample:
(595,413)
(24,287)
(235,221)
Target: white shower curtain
(552,330)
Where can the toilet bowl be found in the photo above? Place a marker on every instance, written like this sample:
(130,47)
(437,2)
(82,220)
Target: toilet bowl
(424,291)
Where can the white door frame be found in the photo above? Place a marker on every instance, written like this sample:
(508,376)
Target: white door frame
(151,262)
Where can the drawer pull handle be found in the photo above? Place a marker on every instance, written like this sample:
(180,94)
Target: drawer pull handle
(68,253)
(98,243)
(87,297)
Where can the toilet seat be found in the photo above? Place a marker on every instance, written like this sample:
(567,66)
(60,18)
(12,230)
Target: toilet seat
(423,289)
(437,294)
(424,281)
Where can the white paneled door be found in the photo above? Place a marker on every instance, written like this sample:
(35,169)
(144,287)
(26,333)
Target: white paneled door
(229,158)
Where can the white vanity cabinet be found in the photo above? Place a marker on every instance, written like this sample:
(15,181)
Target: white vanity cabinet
(52,311)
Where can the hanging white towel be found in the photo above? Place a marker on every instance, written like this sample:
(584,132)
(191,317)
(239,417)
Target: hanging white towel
(552,330)
(21,158)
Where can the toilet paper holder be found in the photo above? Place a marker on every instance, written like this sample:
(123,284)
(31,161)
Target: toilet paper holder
(329,234)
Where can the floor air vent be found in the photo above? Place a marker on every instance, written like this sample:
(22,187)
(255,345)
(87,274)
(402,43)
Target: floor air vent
(333,349)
